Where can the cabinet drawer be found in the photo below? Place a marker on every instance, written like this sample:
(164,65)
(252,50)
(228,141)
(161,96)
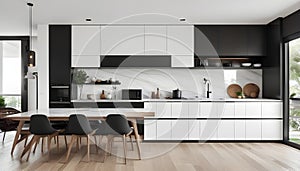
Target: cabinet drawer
(226,130)
(180,110)
(253,129)
(209,129)
(226,110)
(163,110)
(164,129)
(180,129)
(209,110)
(240,110)
(253,110)
(85,61)
(150,128)
(194,130)
(271,109)
(272,130)
(240,130)
(194,110)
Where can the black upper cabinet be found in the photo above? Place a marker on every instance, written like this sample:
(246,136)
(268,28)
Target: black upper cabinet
(59,54)
(230,40)
(291,26)
(257,41)
(206,41)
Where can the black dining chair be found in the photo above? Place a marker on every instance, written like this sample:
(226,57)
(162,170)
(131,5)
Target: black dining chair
(78,126)
(119,124)
(40,127)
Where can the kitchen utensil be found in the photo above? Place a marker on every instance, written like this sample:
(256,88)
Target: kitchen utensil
(177,94)
(251,90)
(257,65)
(90,96)
(232,89)
(246,64)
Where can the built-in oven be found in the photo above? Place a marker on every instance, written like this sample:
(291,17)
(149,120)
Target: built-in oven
(60,96)
(131,94)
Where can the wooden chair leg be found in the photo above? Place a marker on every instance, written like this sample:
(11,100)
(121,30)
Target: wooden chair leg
(35,145)
(111,144)
(131,142)
(32,141)
(36,138)
(125,147)
(26,140)
(42,146)
(73,138)
(77,144)
(96,144)
(4,136)
(57,145)
(88,147)
(49,145)
(66,142)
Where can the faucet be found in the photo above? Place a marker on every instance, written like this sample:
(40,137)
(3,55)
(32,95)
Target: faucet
(207,82)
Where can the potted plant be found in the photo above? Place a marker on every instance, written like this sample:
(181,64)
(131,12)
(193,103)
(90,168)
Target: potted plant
(2,102)
(240,95)
(79,78)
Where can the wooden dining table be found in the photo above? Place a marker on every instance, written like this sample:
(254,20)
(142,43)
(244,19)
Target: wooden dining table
(62,114)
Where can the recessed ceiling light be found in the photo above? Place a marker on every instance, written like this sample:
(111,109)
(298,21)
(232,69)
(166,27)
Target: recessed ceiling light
(88,20)
(182,19)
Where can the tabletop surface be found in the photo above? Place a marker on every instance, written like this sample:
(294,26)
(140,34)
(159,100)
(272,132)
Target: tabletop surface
(88,112)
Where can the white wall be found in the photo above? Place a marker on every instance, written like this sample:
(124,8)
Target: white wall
(40,45)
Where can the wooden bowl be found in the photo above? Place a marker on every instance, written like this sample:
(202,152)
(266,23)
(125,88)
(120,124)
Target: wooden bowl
(251,90)
(232,89)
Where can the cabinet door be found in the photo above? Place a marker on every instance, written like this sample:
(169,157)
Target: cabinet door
(272,130)
(240,109)
(180,40)
(233,41)
(180,110)
(122,40)
(85,61)
(253,129)
(271,109)
(257,41)
(180,129)
(253,110)
(155,40)
(194,130)
(240,129)
(178,61)
(226,110)
(164,129)
(209,129)
(163,110)
(150,106)
(226,130)
(150,129)
(209,110)
(86,40)
(206,41)
(194,110)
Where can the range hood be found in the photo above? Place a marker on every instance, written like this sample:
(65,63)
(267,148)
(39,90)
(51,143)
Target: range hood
(135,61)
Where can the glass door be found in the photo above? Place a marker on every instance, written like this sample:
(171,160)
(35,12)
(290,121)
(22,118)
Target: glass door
(294,90)
(10,72)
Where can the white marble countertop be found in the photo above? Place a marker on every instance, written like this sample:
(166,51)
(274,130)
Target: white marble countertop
(186,100)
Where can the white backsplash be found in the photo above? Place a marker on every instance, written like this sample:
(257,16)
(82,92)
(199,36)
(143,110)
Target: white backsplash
(190,81)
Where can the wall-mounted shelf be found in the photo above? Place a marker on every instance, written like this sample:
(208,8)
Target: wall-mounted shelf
(104,83)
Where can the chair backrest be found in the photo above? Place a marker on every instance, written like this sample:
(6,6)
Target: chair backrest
(118,123)
(40,125)
(79,125)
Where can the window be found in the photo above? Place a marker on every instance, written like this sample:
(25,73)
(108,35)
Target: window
(294,67)
(10,72)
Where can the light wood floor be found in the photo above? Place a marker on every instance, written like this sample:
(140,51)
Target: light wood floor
(160,156)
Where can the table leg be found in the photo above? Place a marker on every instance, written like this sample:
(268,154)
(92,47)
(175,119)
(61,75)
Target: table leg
(18,133)
(137,137)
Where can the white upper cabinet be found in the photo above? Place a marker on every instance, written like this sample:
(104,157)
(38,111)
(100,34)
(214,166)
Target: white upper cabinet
(85,61)
(122,40)
(155,40)
(180,40)
(180,44)
(85,40)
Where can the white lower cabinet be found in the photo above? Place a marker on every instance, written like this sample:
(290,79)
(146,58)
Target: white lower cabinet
(163,110)
(150,128)
(253,129)
(180,129)
(194,110)
(194,129)
(164,130)
(209,110)
(209,129)
(226,110)
(271,109)
(253,110)
(226,130)
(239,129)
(180,110)
(272,129)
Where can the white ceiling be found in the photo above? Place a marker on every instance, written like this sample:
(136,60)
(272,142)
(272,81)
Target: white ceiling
(14,13)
